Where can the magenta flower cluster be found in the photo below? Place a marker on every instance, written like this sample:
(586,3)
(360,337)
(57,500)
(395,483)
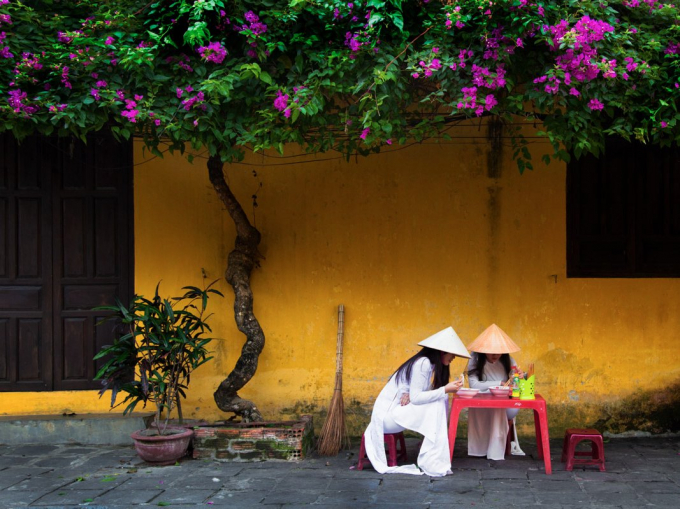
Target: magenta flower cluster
(131,112)
(254,24)
(580,62)
(213,52)
(16,101)
(281,103)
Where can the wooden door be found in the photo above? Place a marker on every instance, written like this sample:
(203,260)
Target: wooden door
(82,199)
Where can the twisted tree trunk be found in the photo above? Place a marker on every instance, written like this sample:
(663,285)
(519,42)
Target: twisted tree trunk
(240,264)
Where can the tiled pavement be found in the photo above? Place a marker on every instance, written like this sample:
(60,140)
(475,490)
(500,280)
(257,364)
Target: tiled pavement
(641,472)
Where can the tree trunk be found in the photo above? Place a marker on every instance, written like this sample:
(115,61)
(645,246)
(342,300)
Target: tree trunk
(240,264)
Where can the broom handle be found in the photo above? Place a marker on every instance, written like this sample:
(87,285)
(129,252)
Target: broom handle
(338,352)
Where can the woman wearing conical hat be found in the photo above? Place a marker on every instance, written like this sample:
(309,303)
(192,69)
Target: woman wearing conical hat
(490,365)
(416,398)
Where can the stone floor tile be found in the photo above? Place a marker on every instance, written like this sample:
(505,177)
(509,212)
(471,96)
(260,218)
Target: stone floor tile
(660,498)
(558,498)
(404,496)
(291,496)
(237,498)
(520,474)
(56,462)
(352,484)
(456,499)
(569,486)
(245,483)
(144,483)
(32,450)
(200,482)
(99,482)
(64,497)
(76,451)
(615,498)
(18,498)
(505,485)
(41,483)
(184,496)
(518,498)
(607,487)
(455,486)
(122,496)
(12,461)
(655,487)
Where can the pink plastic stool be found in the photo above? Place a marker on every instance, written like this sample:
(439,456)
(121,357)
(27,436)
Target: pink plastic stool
(392,454)
(596,454)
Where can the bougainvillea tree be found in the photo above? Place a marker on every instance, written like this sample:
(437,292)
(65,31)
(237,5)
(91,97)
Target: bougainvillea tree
(351,76)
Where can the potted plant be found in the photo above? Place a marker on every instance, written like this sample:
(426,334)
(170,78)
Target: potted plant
(162,341)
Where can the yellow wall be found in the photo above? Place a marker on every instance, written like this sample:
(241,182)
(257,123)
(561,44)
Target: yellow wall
(410,241)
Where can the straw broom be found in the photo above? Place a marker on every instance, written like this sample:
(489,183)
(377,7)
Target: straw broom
(334,433)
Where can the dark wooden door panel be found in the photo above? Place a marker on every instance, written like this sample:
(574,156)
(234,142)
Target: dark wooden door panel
(4,351)
(26,274)
(91,263)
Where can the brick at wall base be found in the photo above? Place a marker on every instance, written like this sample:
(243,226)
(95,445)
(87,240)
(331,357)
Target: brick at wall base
(255,441)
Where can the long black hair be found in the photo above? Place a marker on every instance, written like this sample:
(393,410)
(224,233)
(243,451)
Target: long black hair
(441,372)
(481,362)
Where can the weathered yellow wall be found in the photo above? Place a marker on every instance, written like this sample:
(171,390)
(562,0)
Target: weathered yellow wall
(410,241)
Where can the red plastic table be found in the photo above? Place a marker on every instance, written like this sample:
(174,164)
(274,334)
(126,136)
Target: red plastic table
(489,401)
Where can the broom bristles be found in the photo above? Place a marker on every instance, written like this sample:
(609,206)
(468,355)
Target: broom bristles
(334,434)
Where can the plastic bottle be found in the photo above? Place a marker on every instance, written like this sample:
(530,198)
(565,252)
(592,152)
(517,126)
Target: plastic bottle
(515,382)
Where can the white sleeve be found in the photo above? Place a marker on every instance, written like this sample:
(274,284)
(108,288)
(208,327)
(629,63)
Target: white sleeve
(419,390)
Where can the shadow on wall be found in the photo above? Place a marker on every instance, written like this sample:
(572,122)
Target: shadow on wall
(654,411)
(649,411)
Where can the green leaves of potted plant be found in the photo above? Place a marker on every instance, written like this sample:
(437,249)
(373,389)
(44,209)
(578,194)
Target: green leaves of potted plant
(162,342)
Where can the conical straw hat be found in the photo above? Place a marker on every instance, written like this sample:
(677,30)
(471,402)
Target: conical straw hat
(446,341)
(493,340)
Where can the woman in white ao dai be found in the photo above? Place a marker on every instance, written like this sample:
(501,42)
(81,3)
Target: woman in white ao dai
(416,398)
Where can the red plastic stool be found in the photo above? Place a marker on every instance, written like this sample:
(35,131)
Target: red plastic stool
(596,453)
(392,454)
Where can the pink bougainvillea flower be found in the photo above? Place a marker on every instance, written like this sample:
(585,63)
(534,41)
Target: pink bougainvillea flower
(364,133)
(213,52)
(595,104)
(109,40)
(281,101)
(388,141)
(664,124)
(131,115)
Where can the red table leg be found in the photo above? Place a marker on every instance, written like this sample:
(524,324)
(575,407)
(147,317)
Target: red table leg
(539,438)
(545,438)
(453,427)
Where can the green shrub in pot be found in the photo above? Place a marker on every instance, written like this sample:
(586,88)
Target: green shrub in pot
(161,342)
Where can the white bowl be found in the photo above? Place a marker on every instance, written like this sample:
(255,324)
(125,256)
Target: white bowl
(467,393)
(500,391)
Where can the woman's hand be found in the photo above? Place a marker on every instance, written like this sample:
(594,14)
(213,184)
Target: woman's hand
(405,399)
(453,386)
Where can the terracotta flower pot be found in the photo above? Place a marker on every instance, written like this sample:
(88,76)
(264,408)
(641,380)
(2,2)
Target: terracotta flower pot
(162,449)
